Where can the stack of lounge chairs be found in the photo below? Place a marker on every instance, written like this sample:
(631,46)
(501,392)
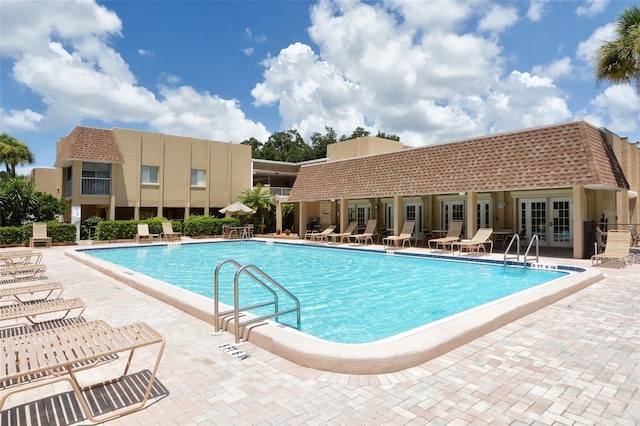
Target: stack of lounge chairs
(44,339)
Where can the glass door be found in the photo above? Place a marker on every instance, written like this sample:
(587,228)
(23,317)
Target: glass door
(533,219)
(561,212)
(413,211)
(484,214)
(453,210)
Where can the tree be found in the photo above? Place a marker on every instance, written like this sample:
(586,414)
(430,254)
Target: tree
(256,147)
(287,146)
(260,200)
(357,133)
(13,153)
(390,136)
(18,202)
(618,61)
(320,142)
(49,207)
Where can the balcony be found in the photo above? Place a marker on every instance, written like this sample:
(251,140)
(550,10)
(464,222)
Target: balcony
(278,190)
(96,186)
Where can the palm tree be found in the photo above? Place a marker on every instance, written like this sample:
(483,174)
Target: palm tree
(260,200)
(618,61)
(13,153)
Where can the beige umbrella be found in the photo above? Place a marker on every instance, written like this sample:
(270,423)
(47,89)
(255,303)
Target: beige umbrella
(236,208)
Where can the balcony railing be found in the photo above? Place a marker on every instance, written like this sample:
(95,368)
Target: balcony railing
(96,186)
(277,190)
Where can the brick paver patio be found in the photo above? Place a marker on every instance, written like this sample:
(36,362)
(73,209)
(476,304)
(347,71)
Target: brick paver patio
(574,362)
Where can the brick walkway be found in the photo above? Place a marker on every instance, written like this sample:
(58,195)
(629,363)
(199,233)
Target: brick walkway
(574,362)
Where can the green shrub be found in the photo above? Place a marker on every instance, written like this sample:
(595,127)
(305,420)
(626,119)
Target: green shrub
(197,226)
(59,232)
(12,235)
(128,229)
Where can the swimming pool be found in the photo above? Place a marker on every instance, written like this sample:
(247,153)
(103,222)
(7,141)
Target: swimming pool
(346,296)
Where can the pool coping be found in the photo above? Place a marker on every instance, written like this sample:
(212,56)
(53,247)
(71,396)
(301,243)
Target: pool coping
(400,352)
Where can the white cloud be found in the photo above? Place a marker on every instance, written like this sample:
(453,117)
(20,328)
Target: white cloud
(384,71)
(593,8)
(558,69)
(144,52)
(185,111)
(537,8)
(498,19)
(587,48)
(60,52)
(620,105)
(19,120)
(248,51)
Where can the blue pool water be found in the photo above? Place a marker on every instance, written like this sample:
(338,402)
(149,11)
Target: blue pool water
(346,296)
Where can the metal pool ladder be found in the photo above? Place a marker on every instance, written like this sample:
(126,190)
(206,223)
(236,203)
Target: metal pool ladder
(516,238)
(262,279)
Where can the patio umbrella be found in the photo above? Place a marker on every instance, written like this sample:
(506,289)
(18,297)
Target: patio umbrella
(236,208)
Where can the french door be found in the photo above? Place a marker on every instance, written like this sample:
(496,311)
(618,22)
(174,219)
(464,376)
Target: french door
(550,219)
(561,213)
(413,211)
(533,219)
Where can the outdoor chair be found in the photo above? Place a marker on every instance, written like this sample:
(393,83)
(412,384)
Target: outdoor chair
(40,235)
(168,233)
(33,312)
(347,234)
(616,250)
(453,235)
(20,270)
(479,241)
(143,233)
(405,235)
(368,234)
(322,236)
(44,357)
(39,291)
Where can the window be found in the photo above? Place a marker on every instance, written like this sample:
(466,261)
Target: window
(197,177)
(149,174)
(96,178)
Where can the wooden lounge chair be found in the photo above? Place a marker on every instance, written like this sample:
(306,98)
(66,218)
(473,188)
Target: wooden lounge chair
(168,233)
(479,241)
(143,233)
(38,291)
(41,358)
(368,234)
(616,249)
(49,308)
(453,235)
(40,235)
(20,270)
(347,234)
(405,235)
(322,236)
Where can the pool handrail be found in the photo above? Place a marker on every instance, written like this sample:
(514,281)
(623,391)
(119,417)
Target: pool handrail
(535,238)
(516,238)
(250,270)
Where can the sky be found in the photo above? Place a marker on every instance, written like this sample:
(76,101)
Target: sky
(429,71)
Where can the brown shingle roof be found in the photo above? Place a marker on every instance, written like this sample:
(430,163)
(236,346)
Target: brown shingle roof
(90,144)
(557,156)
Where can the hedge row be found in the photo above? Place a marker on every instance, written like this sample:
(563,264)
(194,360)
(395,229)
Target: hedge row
(59,233)
(194,226)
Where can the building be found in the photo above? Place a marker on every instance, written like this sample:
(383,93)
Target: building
(551,181)
(131,174)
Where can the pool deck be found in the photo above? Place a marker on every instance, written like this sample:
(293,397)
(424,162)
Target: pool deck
(575,361)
